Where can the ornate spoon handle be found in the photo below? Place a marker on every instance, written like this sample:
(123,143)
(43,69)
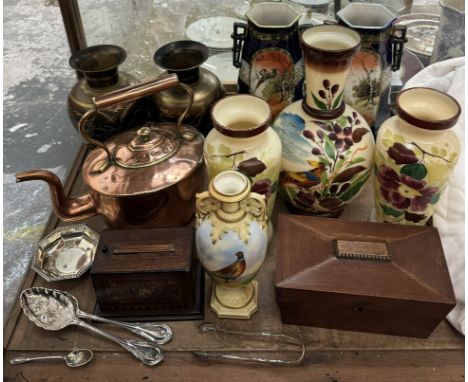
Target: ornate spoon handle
(18,360)
(265,336)
(145,352)
(157,333)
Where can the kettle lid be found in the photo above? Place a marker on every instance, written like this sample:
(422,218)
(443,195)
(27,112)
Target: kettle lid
(144,160)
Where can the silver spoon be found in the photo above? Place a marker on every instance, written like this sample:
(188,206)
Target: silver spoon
(157,333)
(75,358)
(51,309)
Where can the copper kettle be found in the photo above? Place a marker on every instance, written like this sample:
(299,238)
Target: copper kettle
(146,177)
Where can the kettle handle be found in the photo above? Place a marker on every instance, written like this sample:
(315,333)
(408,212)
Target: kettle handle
(132,93)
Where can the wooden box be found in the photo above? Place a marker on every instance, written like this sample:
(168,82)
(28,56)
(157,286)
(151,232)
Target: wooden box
(369,277)
(148,273)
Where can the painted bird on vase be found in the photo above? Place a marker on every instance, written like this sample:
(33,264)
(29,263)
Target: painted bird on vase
(232,271)
(305,179)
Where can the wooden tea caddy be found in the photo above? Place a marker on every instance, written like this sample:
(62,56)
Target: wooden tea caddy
(148,274)
(371,277)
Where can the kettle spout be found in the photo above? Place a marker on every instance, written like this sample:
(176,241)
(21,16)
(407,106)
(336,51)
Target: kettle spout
(67,209)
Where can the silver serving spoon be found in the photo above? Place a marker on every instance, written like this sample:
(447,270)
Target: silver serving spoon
(157,333)
(51,309)
(75,358)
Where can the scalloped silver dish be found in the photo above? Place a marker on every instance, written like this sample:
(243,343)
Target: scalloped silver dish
(66,253)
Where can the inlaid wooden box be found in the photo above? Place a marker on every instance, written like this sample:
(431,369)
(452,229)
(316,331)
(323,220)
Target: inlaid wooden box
(370,277)
(148,273)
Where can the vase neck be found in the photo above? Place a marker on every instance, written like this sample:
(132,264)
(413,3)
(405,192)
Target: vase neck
(103,79)
(99,64)
(187,76)
(328,51)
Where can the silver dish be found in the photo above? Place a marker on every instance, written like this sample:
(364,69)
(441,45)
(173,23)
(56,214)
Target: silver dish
(421,33)
(66,253)
(52,309)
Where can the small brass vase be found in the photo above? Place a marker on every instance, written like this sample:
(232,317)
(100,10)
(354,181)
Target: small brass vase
(184,58)
(99,65)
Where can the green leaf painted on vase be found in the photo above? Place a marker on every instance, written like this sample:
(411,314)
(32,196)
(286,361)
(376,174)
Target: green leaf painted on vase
(338,100)
(435,198)
(416,170)
(329,147)
(274,187)
(224,150)
(319,103)
(390,211)
(209,149)
(324,160)
(357,160)
(324,178)
(355,187)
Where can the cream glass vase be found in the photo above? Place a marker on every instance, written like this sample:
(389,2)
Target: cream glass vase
(328,147)
(243,140)
(231,240)
(415,154)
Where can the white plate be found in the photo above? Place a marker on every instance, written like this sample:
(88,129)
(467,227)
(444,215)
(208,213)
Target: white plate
(214,32)
(221,65)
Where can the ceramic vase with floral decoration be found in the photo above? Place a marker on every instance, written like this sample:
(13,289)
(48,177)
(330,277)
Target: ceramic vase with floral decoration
(328,147)
(243,140)
(415,154)
(231,240)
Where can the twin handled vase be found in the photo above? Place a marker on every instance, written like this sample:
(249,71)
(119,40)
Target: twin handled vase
(231,241)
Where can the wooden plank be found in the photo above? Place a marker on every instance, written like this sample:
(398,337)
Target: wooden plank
(321,366)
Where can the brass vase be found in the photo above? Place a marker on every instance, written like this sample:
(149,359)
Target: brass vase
(184,58)
(99,65)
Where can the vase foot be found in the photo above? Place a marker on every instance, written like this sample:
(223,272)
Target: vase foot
(235,302)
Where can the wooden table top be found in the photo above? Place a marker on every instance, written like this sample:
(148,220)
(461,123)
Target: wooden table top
(332,355)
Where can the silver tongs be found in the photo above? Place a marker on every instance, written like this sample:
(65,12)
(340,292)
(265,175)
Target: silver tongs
(283,338)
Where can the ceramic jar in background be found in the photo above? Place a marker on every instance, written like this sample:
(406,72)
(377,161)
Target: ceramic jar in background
(243,140)
(415,154)
(184,58)
(450,39)
(328,147)
(231,240)
(99,64)
(269,56)
(368,82)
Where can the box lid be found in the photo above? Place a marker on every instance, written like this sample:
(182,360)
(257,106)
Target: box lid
(359,258)
(144,250)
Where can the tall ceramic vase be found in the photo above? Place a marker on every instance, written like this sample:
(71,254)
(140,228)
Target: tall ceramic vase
(231,241)
(243,140)
(267,51)
(328,146)
(415,154)
(368,83)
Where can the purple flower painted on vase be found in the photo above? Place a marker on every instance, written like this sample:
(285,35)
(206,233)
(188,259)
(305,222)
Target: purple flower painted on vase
(263,187)
(403,191)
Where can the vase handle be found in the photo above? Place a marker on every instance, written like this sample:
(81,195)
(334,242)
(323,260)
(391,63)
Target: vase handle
(238,38)
(399,38)
(256,205)
(205,205)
